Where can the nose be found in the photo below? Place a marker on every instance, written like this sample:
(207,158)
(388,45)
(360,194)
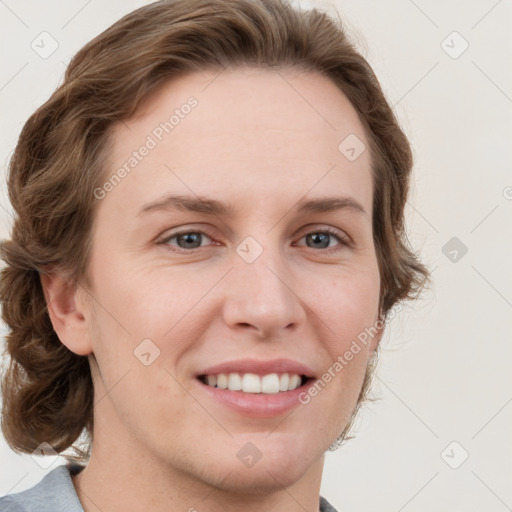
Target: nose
(260,297)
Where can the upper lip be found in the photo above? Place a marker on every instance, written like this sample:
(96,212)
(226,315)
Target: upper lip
(259,367)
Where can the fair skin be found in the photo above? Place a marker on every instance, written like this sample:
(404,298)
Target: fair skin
(163,439)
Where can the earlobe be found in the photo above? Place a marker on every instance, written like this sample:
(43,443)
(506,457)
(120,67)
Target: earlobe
(67,312)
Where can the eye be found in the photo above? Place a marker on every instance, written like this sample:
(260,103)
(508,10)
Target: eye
(186,240)
(327,240)
(323,239)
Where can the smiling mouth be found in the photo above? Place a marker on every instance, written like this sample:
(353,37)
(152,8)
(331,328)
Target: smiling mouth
(269,384)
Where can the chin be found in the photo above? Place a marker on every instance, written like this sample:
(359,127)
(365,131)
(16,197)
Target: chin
(261,463)
(262,479)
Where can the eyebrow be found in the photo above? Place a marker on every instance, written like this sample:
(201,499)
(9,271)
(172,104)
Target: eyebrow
(217,208)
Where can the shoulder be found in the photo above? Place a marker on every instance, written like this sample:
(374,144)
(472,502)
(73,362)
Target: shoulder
(54,493)
(325,506)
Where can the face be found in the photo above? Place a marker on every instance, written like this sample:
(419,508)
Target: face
(236,250)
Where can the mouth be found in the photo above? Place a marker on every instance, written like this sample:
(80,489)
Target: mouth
(255,388)
(269,384)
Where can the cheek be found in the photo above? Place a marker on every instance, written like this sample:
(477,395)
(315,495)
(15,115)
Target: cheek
(350,309)
(355,324)
(143,305)
(142,319)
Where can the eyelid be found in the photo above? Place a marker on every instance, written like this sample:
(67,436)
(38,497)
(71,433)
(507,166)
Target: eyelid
(314,228)
(172,234)
(343,238)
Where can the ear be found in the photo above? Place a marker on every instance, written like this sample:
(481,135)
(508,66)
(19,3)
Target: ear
(68,312)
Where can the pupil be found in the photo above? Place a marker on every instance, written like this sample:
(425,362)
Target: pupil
(189,238)
(323,238)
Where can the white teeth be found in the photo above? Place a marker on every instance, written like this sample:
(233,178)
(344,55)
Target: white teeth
(234,382)
(270,383)
(252,383)
(294,381)
(222,381)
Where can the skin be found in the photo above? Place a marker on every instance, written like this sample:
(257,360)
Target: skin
(261,140)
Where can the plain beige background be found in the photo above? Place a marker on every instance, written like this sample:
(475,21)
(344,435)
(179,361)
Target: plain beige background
(438,438)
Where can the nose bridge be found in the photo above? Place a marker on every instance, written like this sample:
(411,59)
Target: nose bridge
(260,292)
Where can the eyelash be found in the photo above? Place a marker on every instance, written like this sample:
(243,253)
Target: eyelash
(344,240)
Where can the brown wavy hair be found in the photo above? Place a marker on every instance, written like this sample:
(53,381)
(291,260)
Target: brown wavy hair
(61,154)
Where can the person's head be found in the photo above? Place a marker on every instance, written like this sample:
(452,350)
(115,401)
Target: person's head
(274,133)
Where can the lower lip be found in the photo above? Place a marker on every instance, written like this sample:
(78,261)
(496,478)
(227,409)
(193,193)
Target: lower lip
(257,405)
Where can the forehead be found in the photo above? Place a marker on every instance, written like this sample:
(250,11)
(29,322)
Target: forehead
(241,132)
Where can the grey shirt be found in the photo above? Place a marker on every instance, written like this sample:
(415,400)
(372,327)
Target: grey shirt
(56,493)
